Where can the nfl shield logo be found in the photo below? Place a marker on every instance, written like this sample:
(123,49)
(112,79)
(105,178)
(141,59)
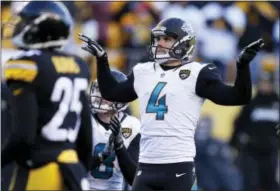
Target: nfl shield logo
(126,132)
(184,74)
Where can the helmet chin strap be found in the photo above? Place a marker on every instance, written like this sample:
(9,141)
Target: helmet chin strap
(164,58)
(162,61)
(161,58)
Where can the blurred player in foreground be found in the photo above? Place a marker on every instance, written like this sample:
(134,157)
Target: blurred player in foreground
(51,142)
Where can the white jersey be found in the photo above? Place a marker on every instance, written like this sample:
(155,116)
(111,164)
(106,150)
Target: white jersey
(169,109)
(108,175)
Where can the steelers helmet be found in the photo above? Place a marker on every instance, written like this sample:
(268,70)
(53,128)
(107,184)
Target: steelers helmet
(42,24)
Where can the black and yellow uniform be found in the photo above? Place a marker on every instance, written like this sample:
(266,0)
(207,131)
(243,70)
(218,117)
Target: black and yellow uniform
(6,128)
(51,140)
(53,121)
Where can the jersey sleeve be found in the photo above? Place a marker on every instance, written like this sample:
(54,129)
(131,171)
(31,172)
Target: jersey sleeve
(209,85)
(110,88)
(25,126)
(127,165)
(208,73)
(22,69)
(130,130)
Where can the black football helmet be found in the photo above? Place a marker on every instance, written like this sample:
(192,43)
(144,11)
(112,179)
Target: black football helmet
(183,34)
(100,105)
(42,24)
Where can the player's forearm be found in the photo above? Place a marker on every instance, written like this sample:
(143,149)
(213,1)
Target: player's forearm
(243,85)
(105,80)
(95,162)
(110,88)
(239,94)
(127,165)
(133,148)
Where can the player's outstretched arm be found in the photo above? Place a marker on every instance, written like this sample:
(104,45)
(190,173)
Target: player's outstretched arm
(25,123)
(209,84)
(110,88)
(127,165)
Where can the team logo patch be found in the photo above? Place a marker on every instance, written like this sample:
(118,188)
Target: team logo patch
(126,132)
(184,74)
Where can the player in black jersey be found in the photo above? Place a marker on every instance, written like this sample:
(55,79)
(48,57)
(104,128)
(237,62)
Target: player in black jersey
(52,142)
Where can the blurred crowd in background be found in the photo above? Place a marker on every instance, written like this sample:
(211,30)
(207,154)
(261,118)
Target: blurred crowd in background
(222,30)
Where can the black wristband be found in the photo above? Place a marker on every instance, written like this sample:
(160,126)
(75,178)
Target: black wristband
(103,58)
(118,145)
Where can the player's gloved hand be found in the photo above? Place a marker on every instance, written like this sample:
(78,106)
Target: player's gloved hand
(92,46)
(109,147)
(99,158)
(116,135)
(249,53)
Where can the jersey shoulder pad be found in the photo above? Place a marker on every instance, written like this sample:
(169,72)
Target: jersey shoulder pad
(202,63)
(22,67)
(198,64)
(194,67)
(210,67)
(130,127)
(143,66)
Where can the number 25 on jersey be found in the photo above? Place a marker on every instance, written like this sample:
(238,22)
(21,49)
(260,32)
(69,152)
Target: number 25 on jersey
(67,94)
(157,105)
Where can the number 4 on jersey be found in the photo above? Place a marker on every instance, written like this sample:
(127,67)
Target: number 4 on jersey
(159,108)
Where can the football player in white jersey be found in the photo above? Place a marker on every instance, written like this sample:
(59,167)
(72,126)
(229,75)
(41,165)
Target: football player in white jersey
(171,91)
(127,165)
(107,175)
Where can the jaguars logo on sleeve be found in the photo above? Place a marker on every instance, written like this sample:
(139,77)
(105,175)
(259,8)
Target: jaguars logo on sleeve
(126,132)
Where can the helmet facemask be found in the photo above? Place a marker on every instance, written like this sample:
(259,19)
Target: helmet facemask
(100,105)
(154,48)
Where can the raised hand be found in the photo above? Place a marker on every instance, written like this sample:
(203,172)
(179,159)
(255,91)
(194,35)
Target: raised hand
(109,147)
(99,158)
(249,53)
(92,46)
